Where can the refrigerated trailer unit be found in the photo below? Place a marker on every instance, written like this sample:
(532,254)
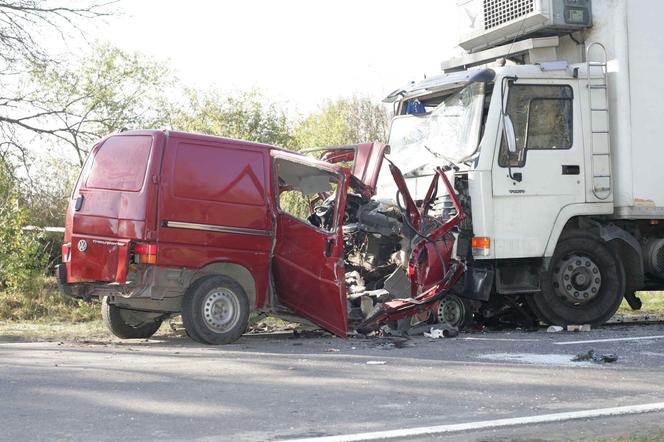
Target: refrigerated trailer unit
(551,118)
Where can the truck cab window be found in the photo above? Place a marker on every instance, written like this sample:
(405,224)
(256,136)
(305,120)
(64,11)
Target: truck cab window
(542,119)
(308,194)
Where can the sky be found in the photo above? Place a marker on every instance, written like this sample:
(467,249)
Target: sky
(297,52)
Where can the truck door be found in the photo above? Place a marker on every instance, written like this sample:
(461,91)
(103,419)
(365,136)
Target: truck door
(307,262)
(532,185)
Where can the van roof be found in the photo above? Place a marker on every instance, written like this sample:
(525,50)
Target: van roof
(197,136)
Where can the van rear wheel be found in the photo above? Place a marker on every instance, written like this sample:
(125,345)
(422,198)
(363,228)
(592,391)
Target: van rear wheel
(128,324)
(584,284)
(215,310)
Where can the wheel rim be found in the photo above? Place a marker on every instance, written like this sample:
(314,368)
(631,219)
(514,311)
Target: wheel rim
(577,279)
(221,310)
(451,310)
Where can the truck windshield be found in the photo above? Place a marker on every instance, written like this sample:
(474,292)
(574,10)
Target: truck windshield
(450,131)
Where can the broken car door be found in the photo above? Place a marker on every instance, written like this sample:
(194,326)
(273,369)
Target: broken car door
(308,263)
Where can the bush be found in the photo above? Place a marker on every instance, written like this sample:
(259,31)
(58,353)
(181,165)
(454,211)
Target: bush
(22,257)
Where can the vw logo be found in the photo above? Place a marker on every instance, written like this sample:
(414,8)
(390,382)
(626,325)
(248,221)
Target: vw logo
(82,245)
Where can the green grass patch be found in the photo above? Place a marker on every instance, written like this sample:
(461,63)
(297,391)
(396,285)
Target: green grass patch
(46,303)
(653,302)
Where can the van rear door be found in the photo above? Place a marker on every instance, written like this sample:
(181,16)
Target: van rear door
(113,204)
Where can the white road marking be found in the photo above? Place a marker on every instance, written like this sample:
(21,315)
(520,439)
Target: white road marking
(500,339)
(591,341)
(497,423)
(534,358)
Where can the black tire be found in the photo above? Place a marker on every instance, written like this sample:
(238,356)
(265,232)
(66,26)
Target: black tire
(115,319)
(584,284)
(454,311)
(215,310)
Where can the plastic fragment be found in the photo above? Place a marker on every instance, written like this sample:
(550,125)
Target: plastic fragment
(437,333)
(554,329)
(376,362)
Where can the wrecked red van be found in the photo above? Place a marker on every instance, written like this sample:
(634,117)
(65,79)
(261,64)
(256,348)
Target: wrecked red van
(216,229)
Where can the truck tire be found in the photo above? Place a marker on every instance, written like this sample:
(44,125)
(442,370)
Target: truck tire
(584,283)
(118,321)
(215,310)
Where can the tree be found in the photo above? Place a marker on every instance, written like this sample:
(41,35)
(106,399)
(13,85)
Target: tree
(245,115)
(344,121)
(104,92)
(20,50)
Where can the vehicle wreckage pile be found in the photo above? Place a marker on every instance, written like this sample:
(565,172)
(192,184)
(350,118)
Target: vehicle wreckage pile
(399,260)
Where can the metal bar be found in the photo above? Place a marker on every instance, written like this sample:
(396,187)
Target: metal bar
(216,228)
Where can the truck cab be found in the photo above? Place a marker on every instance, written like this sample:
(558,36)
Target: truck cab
(537,120)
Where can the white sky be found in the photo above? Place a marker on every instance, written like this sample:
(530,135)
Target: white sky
(297,52)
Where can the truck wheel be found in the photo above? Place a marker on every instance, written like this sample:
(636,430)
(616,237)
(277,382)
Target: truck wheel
(584,284)
(128,324)
(215,310)
(454,311)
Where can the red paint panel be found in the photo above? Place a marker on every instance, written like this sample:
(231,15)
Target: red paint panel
(368,160)
(220,174)
(219,183)
(307,281)
(225,185)
(98,259)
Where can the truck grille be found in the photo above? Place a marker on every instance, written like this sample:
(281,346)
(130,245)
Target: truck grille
(497,12)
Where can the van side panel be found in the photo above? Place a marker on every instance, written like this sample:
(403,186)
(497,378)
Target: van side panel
(214,206)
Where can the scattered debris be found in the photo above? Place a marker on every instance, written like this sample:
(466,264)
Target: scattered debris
(579,328)
(442,332)
(554,329)
(376,362)
(332,350)
(590,355)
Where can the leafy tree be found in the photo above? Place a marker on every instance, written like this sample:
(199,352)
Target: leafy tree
(21,22)
(104,92)
(344,121)
(245,115)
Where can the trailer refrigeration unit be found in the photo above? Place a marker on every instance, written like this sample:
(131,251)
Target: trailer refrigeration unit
(550,118)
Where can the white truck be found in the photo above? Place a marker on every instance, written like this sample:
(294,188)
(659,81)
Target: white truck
(550,121)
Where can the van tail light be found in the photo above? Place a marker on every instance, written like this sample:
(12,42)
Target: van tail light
(66,252)
(145,253)
(481,246)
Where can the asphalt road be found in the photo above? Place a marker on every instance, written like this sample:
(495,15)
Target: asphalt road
(279,388)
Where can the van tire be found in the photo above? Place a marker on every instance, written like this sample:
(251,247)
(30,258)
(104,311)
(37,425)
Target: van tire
(215,310)
(584,283)
(112,317)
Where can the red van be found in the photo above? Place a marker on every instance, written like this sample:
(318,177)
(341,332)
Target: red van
(163,222)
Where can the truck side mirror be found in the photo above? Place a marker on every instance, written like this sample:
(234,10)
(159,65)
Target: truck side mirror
(509,134)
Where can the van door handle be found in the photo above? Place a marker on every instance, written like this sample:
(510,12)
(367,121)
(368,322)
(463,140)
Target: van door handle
(571,169)
(79,203)
(328,247)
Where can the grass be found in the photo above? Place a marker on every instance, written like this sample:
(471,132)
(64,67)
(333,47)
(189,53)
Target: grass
(653,302)
(46,304)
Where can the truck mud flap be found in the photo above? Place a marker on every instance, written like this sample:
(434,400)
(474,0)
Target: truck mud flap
(477,283)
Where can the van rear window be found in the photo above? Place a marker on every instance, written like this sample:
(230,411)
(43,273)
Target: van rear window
(120,163)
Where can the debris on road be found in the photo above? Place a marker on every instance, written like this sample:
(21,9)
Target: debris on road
(376,362)
(590,355)
(579,328)
(554,329)
(332,350)
(442,332)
